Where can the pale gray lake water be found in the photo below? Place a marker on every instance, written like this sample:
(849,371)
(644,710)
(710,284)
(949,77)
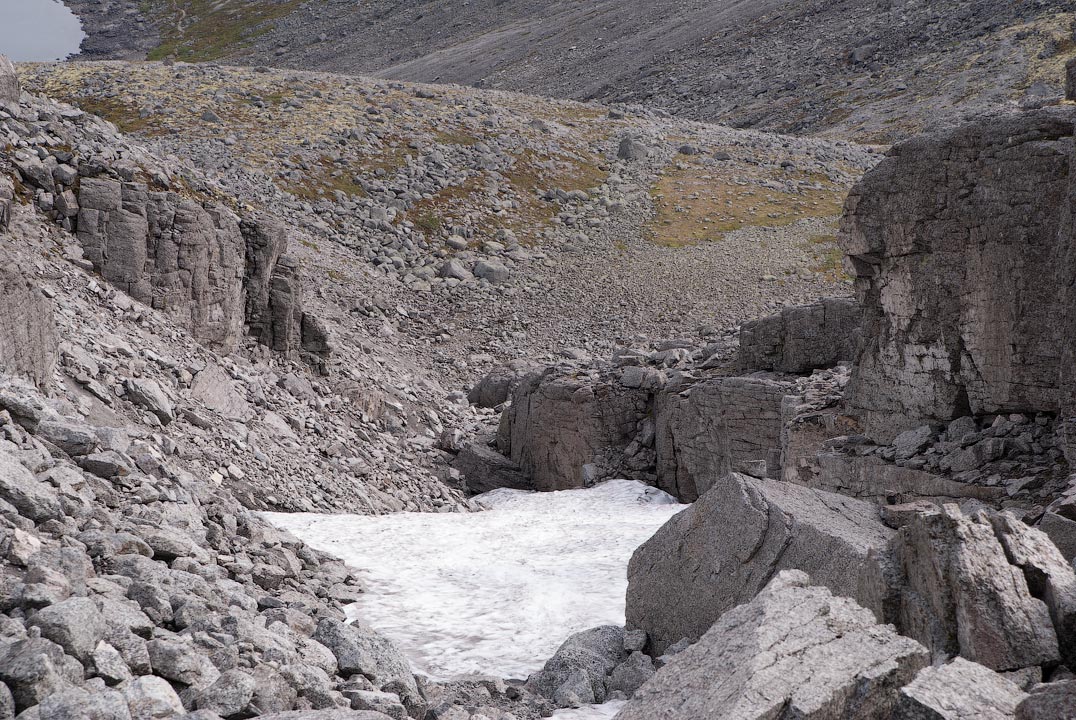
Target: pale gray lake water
(38,30)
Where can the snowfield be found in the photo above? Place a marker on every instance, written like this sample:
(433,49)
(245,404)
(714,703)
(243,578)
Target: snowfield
(494,592)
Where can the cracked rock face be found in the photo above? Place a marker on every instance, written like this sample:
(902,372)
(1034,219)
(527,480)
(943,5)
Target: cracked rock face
(801,339)
(556,426)
(985,588)
(9,82)
(723,425)
(723,550)
(27,333)
(792,651)
(959,244)
(960,690)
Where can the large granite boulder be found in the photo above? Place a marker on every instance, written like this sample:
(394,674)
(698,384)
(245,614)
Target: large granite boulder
(985,588)
(723,550)
(803,338)
(28,340)
(961,247)
(960,690)
(565,432)
(793,651)
(716,427)
(9,82)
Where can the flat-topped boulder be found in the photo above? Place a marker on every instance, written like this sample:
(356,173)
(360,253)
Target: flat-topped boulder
(721,552)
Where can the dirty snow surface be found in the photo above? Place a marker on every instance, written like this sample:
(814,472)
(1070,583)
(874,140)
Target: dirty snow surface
(493,592)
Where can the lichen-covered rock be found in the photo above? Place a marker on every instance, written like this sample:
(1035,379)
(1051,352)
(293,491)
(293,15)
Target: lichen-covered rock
(792,651)
(722,551)
(718,426)
(803,338)
(960,252)
(28,340)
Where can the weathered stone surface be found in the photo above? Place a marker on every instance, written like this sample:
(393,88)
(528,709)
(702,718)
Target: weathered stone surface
(1062,532)
(960,253)
(75,625)
(1070,79)
(722,425)
(1049,576)
(870,478)
(28,340)
(592,653)
(556,425)
(794,651)
(1056,701)
(33,669)
(200,264)
(33,498)
(801,339)
(960,690)
(485,469)
(722,550)
(959,594)
(497,386)
(358,649)
(216,390)
(335,714)
(9,82)
(168,252)
(148,394)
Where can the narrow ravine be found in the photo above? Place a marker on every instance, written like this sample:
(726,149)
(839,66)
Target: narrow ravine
(494,592)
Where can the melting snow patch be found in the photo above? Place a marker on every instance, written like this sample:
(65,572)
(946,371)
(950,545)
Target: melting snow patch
(494,592)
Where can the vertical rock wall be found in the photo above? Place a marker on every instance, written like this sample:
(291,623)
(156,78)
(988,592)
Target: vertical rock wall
(959,253)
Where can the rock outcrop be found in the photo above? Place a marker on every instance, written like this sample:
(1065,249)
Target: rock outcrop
(723,550)
(567,433)
(986,588)
(716,427)
(28,341)
(961,245)
(200,264)
(9,82)
(801,339)
(791,651)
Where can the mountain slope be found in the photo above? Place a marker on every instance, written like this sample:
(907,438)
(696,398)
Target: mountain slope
(879,70)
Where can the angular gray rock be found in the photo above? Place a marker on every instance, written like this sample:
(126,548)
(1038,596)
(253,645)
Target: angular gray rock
(580,666)
(959,690)
(556,425)
(721,552)
(358,649)
(959,594)
(485,469)
(28,340)
(148,394)
(31,497)
(1070,79)
(793,651)
(803,338)
(75,624)
(961,294)
(718,426)
(9,82)
(1055,701)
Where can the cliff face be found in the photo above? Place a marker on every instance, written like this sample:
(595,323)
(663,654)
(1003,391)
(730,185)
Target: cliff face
(959,245)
